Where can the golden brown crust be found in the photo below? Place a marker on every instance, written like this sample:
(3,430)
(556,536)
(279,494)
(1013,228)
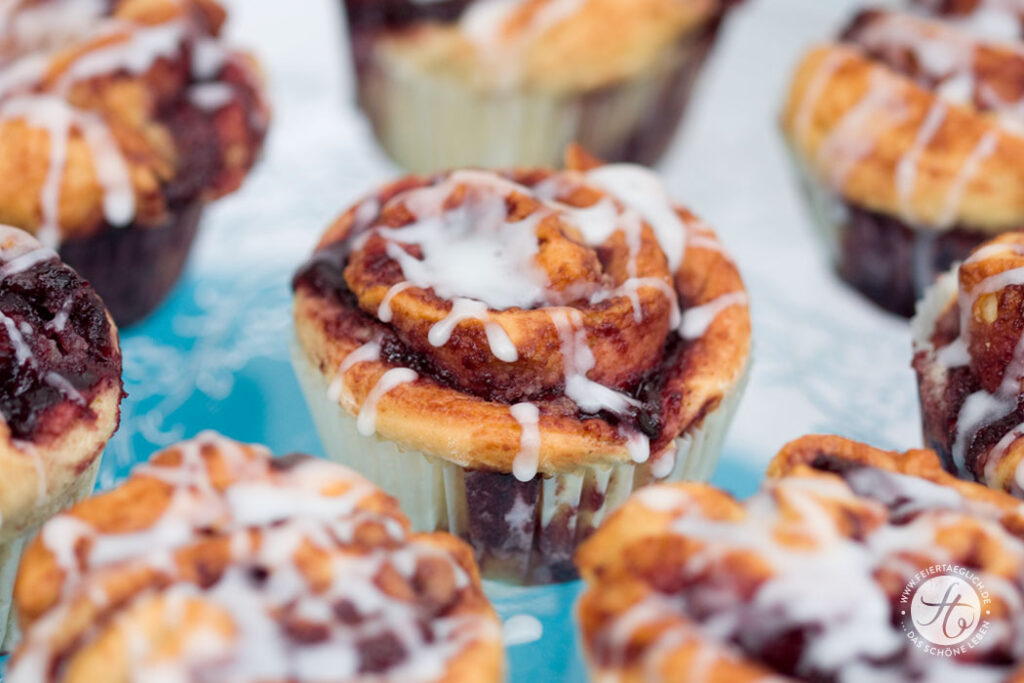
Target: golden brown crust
(872,124)
(539,45)
(458,408)
(60,105)
(214,537)
(680,562)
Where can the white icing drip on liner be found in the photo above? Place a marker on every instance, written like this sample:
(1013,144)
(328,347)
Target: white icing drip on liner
(524,467)
(288,515)
(850,612)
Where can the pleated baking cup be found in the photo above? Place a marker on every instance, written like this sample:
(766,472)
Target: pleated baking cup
(522,532)
(11,549)
(428,121)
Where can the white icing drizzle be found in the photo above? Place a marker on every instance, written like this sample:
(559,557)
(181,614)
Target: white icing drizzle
(642,191)
(524,467)
(469,309)
(211,97)
(812,95)
(983,150)
(366,423)
(906,167)
(384,312)
(697,319)
(852,137)
(522,629)
(855,638)
(289,509)
(370,351)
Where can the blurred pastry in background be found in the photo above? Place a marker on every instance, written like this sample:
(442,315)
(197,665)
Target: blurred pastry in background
(119,121)
(216,562)
(60,396)
(833,571)
(997,19)
(969,358)
(501,83)
(511,353)
(909,136)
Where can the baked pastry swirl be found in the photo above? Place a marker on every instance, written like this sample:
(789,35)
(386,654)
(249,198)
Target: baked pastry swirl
(60,395)
(968,354)
(526,345)
(217,562)
(463,83)
(118,121)
(909,135)
(813,578)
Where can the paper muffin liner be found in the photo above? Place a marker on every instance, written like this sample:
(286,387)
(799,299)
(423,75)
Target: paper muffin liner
(133,268)
(11,549)
(888,260)
(428,122)
(522,532)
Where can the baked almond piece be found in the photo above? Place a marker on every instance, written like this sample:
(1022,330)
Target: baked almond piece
(216,562)
(119,121)
(60,396)
(454,83)
(908,133)
(825,574)
(511,352)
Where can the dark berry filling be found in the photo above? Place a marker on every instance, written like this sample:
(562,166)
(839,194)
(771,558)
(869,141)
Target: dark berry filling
(57,350)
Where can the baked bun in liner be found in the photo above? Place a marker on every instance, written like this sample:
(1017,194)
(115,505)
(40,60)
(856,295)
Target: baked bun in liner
(969,360)
(813,578)
(909,136)
(60,396)
(215,561)
(510,353)
(119,121)
(460,83)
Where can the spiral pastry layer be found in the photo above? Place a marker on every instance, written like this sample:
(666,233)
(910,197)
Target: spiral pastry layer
(217,562)
(809,579)
(908,133)
(118,122)
(527,322)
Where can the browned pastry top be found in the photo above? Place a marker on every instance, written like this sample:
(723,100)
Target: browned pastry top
(60,379)
(455,312)
(113,113)
(804,579)
(553,45)
(217,562)
(916,118)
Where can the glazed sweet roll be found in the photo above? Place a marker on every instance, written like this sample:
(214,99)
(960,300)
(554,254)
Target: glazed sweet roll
(60,395)
(511,353)
(462,82)
(908,135)
(969,359)
(119,121)
(831,572)
(215,561)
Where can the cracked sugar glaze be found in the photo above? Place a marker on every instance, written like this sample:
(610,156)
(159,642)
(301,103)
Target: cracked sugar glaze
(552,293)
